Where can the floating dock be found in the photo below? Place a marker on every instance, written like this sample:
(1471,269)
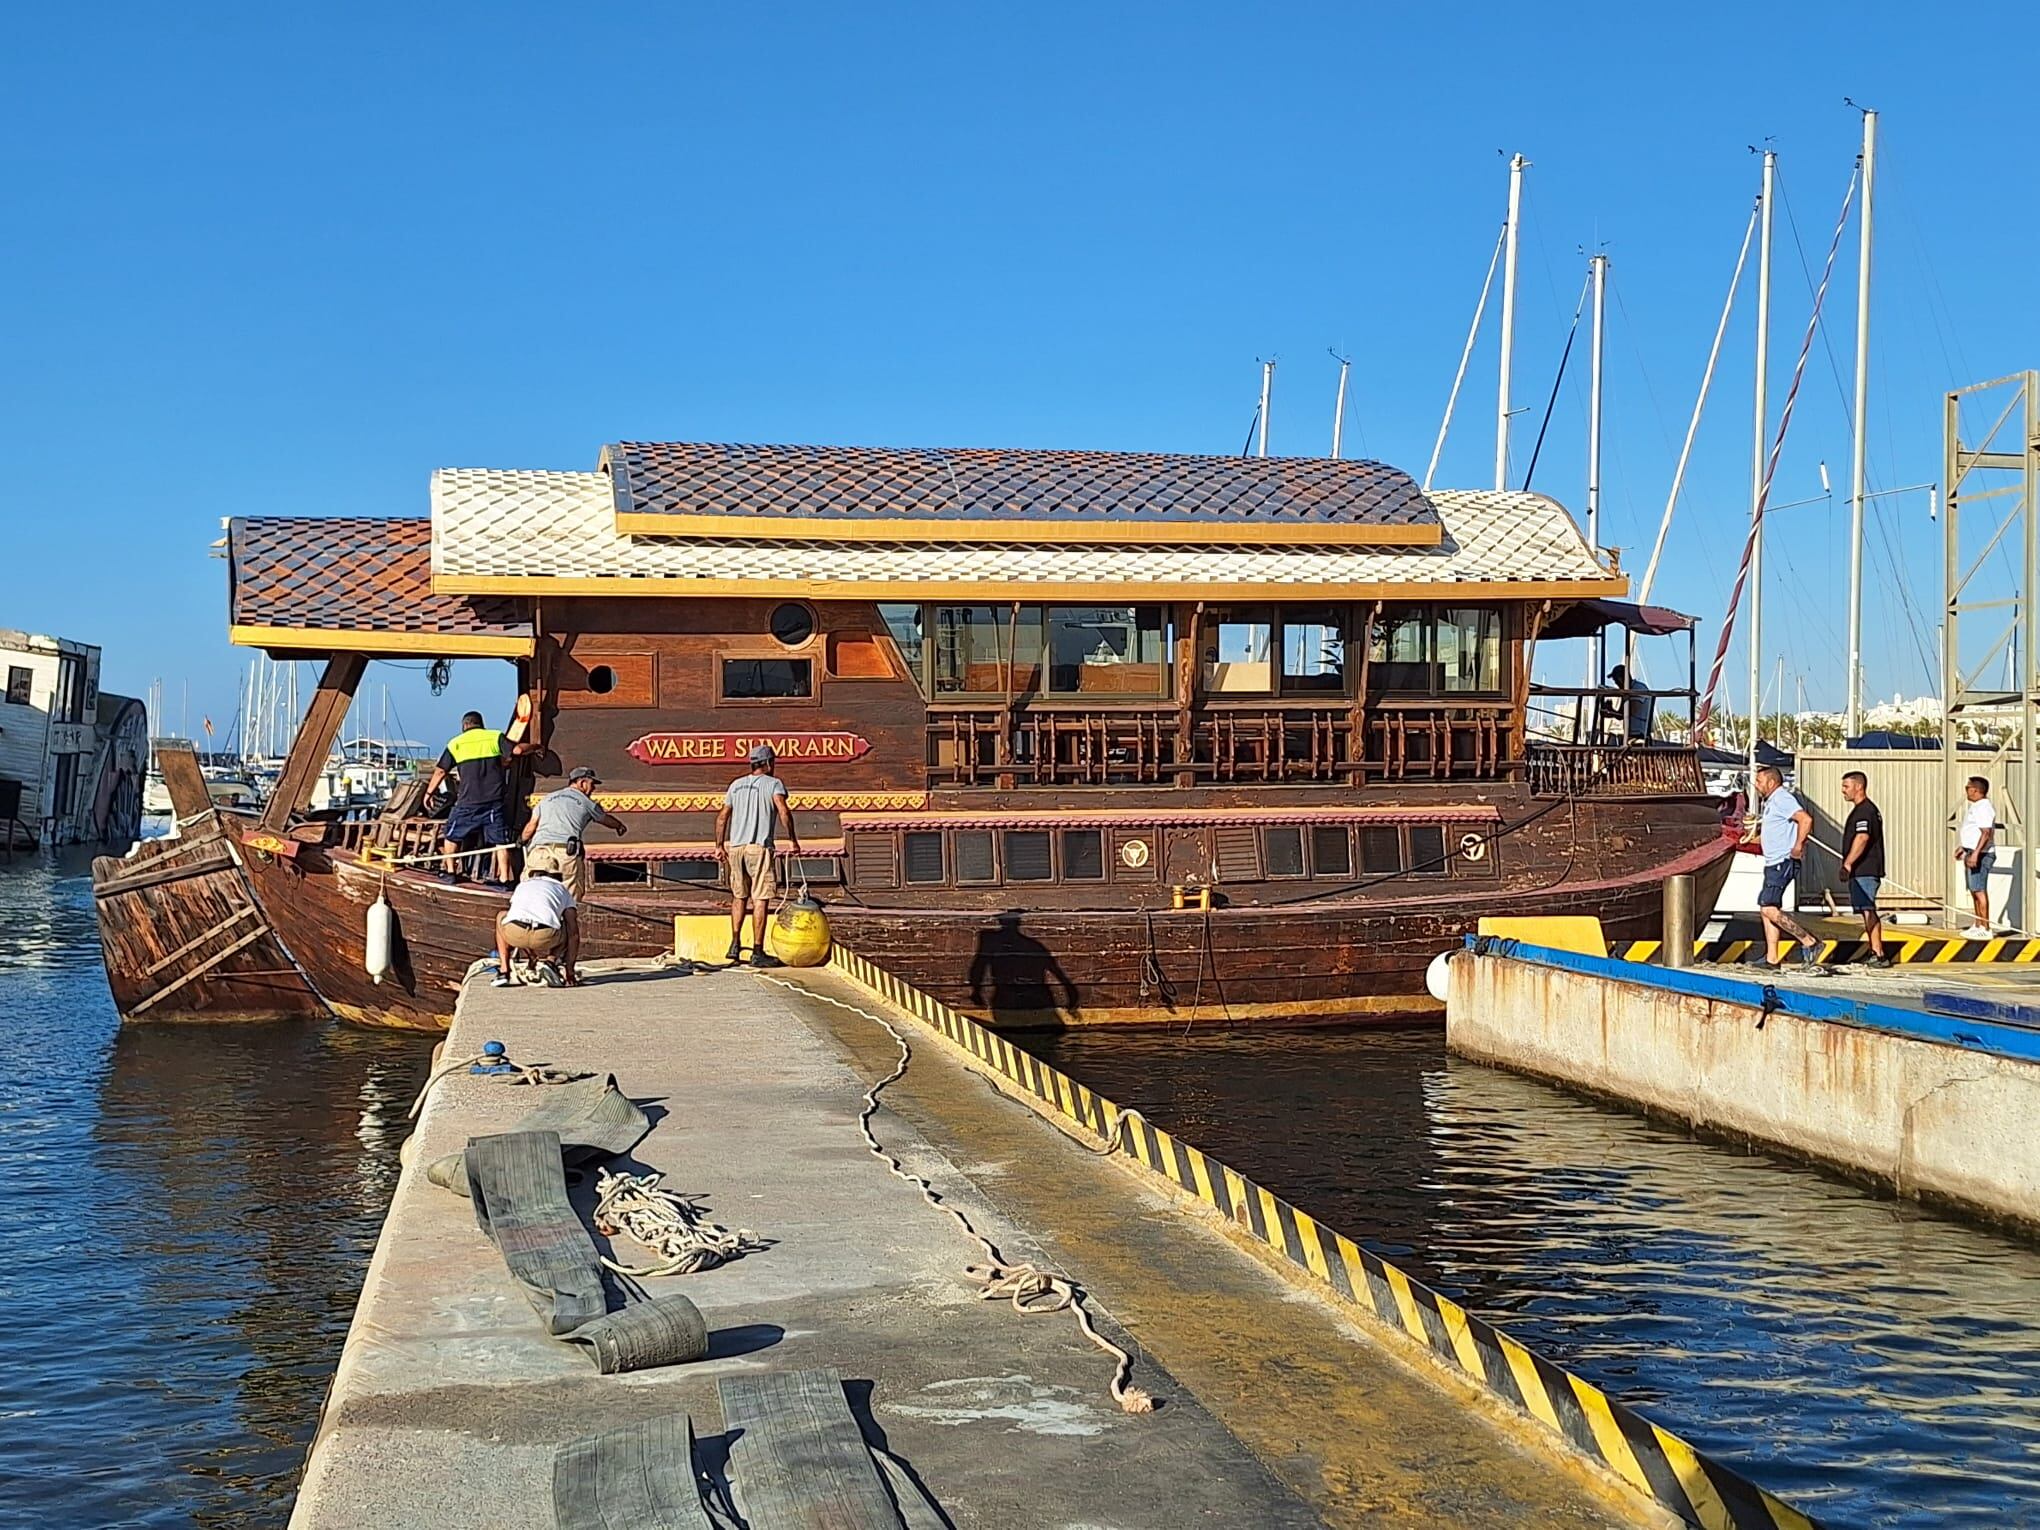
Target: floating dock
(1278,1408)
(1923,1078)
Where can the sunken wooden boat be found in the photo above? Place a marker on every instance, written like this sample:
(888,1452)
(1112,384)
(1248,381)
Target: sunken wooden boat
(1071,737)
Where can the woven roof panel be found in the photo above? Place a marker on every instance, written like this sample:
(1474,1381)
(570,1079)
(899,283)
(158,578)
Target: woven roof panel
(353,573)
(494,524)
(854,483)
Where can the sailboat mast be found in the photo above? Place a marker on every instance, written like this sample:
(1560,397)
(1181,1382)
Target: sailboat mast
(1765,204)
(1600,273)
(1512,230)
(1859,452)
(1339,406)
(1267,387)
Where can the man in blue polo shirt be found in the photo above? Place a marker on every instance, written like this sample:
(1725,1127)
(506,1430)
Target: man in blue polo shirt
(1782,829)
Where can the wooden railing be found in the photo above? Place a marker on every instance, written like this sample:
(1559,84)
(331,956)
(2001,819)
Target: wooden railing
(1635,770)
(1260,745)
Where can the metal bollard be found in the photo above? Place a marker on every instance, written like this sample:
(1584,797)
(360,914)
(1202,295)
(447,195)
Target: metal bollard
(1677,950)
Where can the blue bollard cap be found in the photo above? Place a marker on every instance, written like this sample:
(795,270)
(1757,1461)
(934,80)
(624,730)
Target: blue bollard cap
(492,1049)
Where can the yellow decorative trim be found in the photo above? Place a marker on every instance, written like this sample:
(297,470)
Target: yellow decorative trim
(709,802)
(660,587)
(1144,533)
(356,640)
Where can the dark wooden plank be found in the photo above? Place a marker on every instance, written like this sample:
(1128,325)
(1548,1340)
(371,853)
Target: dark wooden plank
(798,1461)
(314,741)
(182,778)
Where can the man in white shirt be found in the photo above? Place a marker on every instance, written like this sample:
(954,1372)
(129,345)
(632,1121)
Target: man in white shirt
(1976,849)
(541,921)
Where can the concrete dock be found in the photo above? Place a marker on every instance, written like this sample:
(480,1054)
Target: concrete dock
(1921,1078)
(449,1401)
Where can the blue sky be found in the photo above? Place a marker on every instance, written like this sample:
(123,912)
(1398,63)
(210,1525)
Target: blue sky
(266,260)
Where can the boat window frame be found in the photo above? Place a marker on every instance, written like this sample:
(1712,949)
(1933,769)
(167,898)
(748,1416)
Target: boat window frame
(1430,614)
(725,657)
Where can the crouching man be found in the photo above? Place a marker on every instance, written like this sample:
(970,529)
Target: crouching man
(542,922)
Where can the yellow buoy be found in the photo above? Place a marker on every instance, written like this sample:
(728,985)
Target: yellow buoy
(799,935)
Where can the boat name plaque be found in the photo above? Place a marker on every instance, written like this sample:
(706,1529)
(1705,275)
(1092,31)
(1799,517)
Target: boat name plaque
(735,748)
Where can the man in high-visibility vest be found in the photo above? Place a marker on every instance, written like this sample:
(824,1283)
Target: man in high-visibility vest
(479,757)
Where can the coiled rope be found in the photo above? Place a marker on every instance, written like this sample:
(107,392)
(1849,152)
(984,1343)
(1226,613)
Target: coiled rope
(1031,1290)
(536,1073)
(670,1224)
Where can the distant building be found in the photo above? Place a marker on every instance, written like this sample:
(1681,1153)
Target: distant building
(72,762)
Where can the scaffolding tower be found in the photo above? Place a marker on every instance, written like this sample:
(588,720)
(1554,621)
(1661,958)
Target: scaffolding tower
(1993,477)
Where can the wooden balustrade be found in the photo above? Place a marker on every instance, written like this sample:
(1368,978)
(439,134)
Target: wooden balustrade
(1635,770)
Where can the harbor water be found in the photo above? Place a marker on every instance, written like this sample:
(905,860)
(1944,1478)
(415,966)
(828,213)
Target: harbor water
(188,1213)
(1871,1362)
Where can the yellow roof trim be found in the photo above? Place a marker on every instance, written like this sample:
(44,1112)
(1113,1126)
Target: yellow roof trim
(417,644)
(656,587)
(1144,533)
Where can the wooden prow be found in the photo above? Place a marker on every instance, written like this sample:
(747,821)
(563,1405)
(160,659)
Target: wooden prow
(182,778)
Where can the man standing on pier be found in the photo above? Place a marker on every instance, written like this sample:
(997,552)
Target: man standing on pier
(1782,830)
(753,808)
(552,836)
(479,756)
(1976,849)
(1863,859)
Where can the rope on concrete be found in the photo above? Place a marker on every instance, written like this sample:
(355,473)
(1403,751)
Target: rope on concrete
(1031,1291)
(536,1073)
(672,1225)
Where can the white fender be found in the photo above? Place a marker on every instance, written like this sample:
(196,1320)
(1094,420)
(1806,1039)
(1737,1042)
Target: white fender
(381,937)
(1437,976)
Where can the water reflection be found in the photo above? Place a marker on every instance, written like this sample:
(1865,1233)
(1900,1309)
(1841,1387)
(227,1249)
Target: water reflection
(1871,1362)
(188,1215)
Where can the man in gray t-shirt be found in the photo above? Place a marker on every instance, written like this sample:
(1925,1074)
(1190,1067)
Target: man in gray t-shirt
(754,810)
(552,835)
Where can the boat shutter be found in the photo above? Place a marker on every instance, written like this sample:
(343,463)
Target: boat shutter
(1282,848)
(923,856)
(1381,851)
(1027,856)
(1083,852)
(1427,850)
(872,861)
(1331,851)
(1239,855)
(973,851)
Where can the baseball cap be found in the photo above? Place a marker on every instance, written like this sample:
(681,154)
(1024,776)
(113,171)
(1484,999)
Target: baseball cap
(583,773)
(761,754)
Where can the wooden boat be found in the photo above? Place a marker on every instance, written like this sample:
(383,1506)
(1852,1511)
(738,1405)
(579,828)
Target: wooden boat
(1070,737)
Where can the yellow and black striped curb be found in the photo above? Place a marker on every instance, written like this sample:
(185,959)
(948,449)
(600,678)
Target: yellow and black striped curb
(1701,1491)
(1925,950)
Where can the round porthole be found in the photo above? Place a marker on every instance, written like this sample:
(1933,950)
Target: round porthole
(602,679)
(792,623)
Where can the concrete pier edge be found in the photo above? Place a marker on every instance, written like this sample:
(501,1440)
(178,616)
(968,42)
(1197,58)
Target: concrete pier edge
(1607,1433)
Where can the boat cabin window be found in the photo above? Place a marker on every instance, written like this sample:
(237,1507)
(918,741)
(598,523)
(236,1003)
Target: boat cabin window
(1314,649)
(1380,851)
(1436,651)
(1083,855)
(767,679)
(1106,651)
(972,645)
(1239,651)
(973,851)
(923,856)
(1027,856)
(1331,851)
(903,622)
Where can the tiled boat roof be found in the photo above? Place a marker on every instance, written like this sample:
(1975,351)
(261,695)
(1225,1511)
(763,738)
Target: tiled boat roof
(314,575)
(503,530)
(825,491)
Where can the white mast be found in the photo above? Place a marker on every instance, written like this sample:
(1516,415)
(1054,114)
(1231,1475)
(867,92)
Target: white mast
(1517,165)
(1763,410)
(1339,408)
(1853,724)
(1267,387)
(1599,265)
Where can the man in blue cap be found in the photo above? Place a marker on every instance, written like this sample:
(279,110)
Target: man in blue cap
(754,809)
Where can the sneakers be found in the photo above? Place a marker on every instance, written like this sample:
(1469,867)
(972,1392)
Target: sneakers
(549,975)
(500,980)
(765,959)
(736,950)
(1978,932)
(1886,960)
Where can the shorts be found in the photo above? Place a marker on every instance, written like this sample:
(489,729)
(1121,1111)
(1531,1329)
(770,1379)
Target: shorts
(1863,894)
(465,822)
(751,873)
(522,937)
(1778,876)
(1977,878)
(571,866)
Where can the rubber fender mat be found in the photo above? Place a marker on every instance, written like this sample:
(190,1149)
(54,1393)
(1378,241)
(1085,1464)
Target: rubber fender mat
(667,1330)
(797,1457)
(639,1477)
(591,1116)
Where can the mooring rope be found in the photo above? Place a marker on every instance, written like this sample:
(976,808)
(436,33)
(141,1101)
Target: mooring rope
(1031,1290)
(670,1224)
(536,1073)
